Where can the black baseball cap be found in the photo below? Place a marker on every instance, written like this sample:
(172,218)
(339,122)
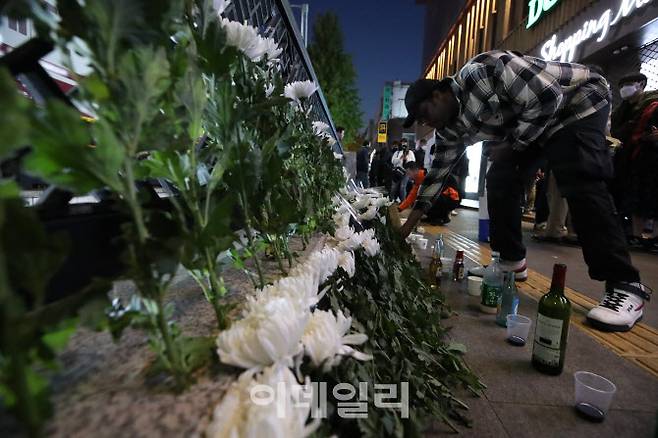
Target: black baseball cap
(416,94)
(633,77)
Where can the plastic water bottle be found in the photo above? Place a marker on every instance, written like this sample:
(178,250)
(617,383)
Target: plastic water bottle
(440,246)
(508,304)
(492,285)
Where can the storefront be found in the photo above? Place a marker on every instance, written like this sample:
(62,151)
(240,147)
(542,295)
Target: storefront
(620,36)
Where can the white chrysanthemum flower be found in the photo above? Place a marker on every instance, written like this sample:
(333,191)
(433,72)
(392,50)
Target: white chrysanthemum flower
(270,333)
(269,89)
(245,38)
(347,194)
(323,262)
(244,412)
(361,202)
(220,5)
(341,219)
(272,49)
(302,285)
(344,233)
(369,215)
(380,202)
(346,261)
(321,128)
(352,243)
(298,90)
(338,156)
(326,339)
(371,246)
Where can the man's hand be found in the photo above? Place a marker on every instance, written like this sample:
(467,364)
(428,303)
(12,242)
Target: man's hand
(411,222)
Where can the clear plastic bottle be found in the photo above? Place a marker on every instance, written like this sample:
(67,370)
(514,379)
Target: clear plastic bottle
(508,304)
(492,285)
(440,246)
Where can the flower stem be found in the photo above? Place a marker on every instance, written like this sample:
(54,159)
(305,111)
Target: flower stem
(171,352)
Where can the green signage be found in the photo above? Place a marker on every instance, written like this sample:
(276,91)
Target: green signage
(537,9)
(387,102)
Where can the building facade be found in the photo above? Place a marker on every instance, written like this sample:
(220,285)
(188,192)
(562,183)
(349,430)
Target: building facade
(619,36)
(393,112)
(14,32)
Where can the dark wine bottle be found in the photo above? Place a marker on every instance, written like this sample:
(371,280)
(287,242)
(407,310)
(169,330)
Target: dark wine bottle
(552,327)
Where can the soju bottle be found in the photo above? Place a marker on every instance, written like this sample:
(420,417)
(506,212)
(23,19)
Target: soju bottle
(552,326)
(492,285)
(436,265)
(508,303)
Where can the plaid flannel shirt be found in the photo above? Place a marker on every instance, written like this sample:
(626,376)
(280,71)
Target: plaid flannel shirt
(508,97)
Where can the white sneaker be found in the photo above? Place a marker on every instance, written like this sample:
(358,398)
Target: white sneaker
(520,269)
(621,307)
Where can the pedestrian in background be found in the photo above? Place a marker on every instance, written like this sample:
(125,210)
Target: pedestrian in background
(635,124)
(363,164)
(400,158)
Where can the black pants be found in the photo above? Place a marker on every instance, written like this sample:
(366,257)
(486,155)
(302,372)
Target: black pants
(541,201)
(441,209)
(579,157)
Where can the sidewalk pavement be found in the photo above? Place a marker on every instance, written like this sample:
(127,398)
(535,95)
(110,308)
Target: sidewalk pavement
(521,402)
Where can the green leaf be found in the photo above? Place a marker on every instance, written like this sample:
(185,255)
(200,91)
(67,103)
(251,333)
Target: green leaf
(35,255)
(9,189)
(63,153)
(14,117)
(197,351)
(460,348)
(57,337)
(191,93)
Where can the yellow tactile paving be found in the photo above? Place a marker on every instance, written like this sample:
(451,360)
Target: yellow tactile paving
(639,345)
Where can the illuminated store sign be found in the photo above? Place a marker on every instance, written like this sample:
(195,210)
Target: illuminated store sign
(538,8)
(566,50)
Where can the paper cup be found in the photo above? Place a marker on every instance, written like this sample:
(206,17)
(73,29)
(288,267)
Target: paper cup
(474,285)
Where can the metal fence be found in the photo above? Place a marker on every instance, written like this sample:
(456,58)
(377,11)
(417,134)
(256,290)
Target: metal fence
(274,18)
(649,64)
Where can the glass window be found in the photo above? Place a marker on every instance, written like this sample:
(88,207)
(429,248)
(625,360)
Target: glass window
(19,26)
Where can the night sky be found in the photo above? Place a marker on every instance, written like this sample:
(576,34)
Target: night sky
(384,37)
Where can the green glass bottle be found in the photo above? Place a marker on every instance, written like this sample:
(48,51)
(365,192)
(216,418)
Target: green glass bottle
(552,326)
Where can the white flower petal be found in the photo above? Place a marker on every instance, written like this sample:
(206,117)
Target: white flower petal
(298,90)
(324,335)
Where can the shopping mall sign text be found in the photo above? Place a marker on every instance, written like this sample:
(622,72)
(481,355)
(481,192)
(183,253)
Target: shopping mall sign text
(566,50)
(538,8)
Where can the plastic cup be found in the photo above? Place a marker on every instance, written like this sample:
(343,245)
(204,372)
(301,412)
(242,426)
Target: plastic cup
(422,243)
(446,263)
(474,285)
(593,395)
(518,327)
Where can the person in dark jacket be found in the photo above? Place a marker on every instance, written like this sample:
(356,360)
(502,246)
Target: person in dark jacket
(363,164)
(635,124)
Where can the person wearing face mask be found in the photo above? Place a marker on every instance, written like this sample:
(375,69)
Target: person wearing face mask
(635,124)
